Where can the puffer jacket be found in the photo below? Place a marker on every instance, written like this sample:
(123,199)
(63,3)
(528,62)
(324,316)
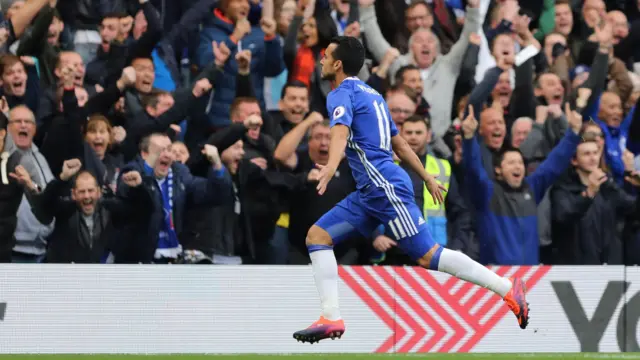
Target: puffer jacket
(266,61)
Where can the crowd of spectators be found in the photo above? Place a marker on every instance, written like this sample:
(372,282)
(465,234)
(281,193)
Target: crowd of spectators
(165,131)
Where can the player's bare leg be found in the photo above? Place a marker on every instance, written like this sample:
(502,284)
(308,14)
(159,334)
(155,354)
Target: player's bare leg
(325,273)
(513,291)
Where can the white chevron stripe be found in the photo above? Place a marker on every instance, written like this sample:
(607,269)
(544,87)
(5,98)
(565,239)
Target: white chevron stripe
(444,305)
(426,311)
(388,288)
(405,306)
(389,310)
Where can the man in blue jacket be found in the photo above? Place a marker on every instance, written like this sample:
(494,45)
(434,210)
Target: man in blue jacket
(507,224)
(229,24)
(173,189)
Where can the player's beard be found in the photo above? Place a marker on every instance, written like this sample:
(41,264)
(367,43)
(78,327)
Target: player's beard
(329,76)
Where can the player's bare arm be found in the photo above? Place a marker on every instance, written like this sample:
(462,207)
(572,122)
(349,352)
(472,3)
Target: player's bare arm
(406,155)
(339,136)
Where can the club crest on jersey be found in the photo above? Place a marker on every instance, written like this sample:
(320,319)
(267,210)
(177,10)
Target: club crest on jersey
(338,112)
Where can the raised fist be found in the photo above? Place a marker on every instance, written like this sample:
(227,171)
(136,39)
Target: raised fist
(132,178)
(201,87)
(70,168)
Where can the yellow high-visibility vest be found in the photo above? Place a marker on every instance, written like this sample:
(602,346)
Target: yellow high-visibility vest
(434,214)
(440,169)
(283,220)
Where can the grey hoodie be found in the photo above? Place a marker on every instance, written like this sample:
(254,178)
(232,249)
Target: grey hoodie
(31,235)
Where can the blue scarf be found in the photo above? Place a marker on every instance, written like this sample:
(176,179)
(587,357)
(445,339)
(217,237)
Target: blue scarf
(167,237)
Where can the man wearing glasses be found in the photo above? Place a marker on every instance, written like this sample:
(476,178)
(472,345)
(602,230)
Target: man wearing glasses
(30,234)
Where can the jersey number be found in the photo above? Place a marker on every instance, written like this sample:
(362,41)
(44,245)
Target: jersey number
(383,126)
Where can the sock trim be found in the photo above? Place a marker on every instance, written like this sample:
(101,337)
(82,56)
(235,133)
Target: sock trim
(435,259)
(314,248)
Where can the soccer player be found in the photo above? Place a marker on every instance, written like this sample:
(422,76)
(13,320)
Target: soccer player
(361,124)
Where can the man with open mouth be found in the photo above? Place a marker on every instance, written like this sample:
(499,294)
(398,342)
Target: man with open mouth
(439,72)
(30,233)
(506,207)
(306,206)
(86,222)
(174,189)
(19,82)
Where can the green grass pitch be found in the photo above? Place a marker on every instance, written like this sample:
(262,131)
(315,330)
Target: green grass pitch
(479,356)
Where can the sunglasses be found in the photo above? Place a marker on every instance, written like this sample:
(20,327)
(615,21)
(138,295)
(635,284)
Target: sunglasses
(592,136)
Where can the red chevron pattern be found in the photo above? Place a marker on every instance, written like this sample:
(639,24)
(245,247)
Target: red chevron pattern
(432,312)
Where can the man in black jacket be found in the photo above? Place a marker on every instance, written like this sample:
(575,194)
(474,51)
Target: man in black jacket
(587,206)
(86,223)
(174,190)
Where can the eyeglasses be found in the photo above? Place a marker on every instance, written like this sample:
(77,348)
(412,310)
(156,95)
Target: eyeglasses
(22,121)
(591,136)
(401,111)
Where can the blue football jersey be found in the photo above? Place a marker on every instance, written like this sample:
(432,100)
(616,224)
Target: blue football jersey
(361,108)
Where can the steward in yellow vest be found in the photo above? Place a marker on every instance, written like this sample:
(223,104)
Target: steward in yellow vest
(449,225)
(417,132)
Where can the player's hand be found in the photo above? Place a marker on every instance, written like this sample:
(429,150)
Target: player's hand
(436,190)
(326,173)
(383,243)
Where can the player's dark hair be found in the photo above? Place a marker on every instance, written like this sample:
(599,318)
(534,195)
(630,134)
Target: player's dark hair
(292,84)
(350,51)
(400,73)
(499,156)
(415,118)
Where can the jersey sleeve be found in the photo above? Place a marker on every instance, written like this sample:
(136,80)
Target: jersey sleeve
(393,129)
(340,107)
